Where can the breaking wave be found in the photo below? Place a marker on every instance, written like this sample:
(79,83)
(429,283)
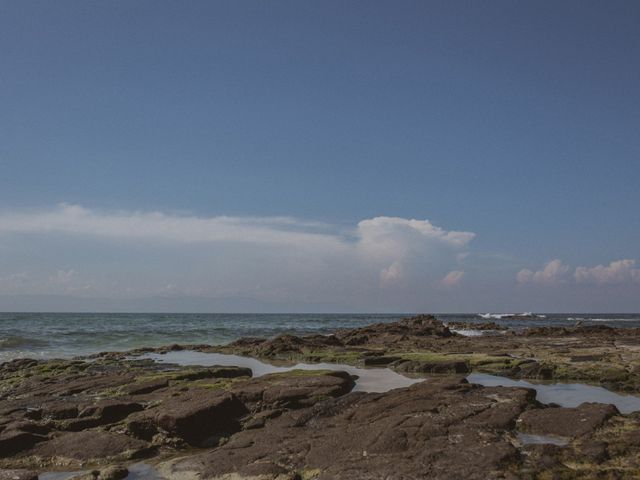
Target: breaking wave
(607,319)
(499,316)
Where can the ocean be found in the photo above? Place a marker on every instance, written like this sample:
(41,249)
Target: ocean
(65,335)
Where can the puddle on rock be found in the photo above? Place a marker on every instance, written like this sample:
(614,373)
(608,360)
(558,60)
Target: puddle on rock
(143,471)
(467,332)
(369,379)
(529,439)
(563,394)
(137,471)
(60,475)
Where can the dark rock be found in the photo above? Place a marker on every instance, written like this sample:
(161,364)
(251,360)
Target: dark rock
(114,472)
(419,366)
(586,358)
(198,415)
(142,425)
(15,441)
(440,429)
(380,360)
(18,364)
(591,330)
(214,372)
(305,390)
(541,457)
(593,451)
(91,445)
(566,422)
(110,411)
(390,333)
(141,388)
(28,426)
(534,370)
(18,475)
(284,345)
(60,410)
(259,419)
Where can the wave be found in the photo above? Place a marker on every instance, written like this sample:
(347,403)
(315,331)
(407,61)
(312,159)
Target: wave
(468,332)
(613,319)
(16,341)
(499,316)
(590,319)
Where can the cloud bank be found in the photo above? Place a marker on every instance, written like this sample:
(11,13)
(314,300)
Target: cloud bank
(263,257)
(382,263)
(618,272)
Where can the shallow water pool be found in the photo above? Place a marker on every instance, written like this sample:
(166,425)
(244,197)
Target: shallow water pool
(369,379)
(137,471)
(563,394)
(529,439)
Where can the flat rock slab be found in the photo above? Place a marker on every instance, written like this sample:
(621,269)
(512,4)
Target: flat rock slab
(18,475)
(566,422)
(436,429)
(90,445)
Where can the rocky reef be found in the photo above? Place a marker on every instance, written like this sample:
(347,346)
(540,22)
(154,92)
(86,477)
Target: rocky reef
(97,416)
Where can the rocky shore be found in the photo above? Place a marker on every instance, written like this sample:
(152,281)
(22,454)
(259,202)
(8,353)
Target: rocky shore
(99,415)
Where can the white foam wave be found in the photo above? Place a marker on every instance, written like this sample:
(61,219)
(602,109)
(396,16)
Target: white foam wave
(614,319)
(467,332)
(499,316)
(495,315)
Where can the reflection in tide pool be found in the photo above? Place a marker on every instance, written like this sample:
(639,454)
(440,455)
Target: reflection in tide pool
(528,439)
(563,394)
(137,471)
(60,475)
(369,379)
(143,471)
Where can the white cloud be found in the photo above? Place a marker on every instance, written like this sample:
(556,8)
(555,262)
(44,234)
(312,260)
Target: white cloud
(390,275)
(407,247)
(286,257)
(617,272)
(13,281)
(158,226)
(553,273)
(63,277)
(452,279)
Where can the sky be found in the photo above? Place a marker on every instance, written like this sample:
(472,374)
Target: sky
(333,156)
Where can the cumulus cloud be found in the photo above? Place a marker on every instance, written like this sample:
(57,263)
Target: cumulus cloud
(404,247)
(617,272)
(553,273)
(390,275)
(63,277)
(265,256)
(452,278)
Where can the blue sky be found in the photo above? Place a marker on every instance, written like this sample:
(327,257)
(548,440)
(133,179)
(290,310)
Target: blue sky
(514,121)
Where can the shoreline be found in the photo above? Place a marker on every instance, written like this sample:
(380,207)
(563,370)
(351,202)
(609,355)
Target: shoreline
(115,408)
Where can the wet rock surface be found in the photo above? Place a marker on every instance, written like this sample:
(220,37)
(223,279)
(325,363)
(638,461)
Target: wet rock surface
(104,414)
